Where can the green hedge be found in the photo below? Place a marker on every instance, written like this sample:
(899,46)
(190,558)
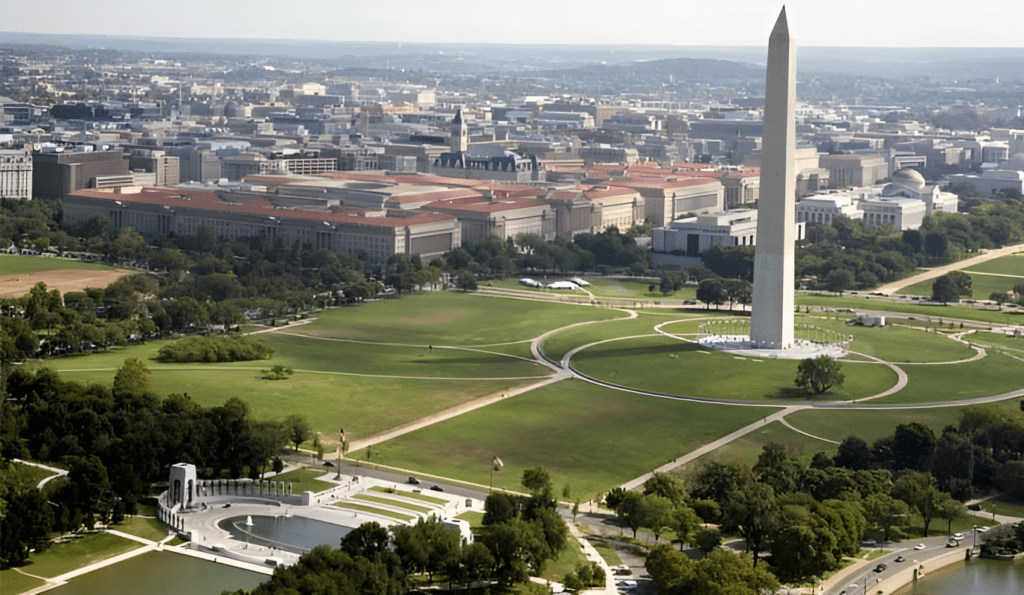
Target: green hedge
(214,349)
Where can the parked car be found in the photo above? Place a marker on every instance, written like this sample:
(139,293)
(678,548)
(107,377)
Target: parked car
(329,464)
(958,536)
(869,543)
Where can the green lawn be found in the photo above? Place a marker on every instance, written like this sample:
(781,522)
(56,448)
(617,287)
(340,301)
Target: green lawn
(568,559)
(932,312)
(20,472)
(867,424)
(1004,505)
(1004,265)
(405,518)
(896,343)
(586,436)
(362,405)
(19,265)
(665,365)
(992,375)
(747,448)
(144,527)
(304,479)
(989,339)
(982,286)
(624,288)
(392,502)
(65,557)
(445,318)
(560,343)
(319,355)
(409,494)
(476,519)
(13,582)
(607,551)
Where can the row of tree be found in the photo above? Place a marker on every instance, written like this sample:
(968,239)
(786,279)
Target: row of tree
(116,440)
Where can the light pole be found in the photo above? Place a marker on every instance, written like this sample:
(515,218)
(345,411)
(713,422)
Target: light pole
(340,448)
(975,546)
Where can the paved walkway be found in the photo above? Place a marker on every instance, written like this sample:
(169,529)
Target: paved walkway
(956,266)
(57,472)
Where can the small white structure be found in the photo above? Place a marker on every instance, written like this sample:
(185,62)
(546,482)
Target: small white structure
(530,282)
(182,485)
(579,281)
(869,320)
(563,285)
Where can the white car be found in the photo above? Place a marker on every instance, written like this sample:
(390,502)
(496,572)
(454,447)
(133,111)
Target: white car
(919,546)
(958,536)
(983,529)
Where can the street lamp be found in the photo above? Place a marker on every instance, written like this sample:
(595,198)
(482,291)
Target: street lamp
(340,448)
(975,546)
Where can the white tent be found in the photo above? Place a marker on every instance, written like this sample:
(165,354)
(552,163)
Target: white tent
(563,285)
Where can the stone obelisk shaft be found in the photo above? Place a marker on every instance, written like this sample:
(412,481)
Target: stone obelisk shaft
(771,323)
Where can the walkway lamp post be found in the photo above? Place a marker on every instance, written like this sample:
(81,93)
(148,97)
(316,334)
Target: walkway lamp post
(975,546)
(341,447)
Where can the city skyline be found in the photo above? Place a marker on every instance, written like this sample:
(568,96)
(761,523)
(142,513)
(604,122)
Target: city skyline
(910,23)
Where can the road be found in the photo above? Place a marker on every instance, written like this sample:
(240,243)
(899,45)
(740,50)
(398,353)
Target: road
(853,582)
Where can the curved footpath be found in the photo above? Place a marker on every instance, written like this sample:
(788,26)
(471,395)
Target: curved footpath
(956,266)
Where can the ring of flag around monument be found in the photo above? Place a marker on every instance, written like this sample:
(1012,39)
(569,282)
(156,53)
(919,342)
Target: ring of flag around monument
(498,464)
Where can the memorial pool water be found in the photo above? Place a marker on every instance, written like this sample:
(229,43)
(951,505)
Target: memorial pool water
(162,573)
(977,577)
(294,533)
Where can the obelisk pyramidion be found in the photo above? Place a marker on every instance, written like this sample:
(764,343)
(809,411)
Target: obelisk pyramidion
(771,322)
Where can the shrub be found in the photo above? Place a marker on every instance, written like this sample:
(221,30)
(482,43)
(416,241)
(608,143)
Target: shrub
(214,349)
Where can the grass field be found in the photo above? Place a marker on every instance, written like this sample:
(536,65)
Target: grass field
(585,436)
(930,312)
(1004,505)
(1004,265)
(474,518)
(560,343)
(992,375)
(895,343)
(665,365)
(65,557)
(990,339)
(362,405)
(405,518)
(304,479)
(445,318)
(409,494)
(982,286)
(392,502)
(19,265)
(13,582)
(748,448)
(869,425)
(20,472)
(568,559)
(144,527)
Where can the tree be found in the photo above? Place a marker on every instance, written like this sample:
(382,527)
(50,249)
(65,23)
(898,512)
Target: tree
(299,429)
(666,485)
(656,514)
(885,512)
(712,291)
(631,510)
(466,281)
(913,447)
(951,510)
(819,374)
(918,489)
(367,540)
(685,524)
(853,453)
(753,511)
(738,290)
(132,379)
(839,280)
(949,288)
(707,539)
(537,480)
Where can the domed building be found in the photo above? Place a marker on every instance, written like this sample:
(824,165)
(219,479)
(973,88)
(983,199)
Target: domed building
(909,183)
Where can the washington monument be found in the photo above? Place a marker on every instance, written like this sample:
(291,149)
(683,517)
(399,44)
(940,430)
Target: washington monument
(771,322)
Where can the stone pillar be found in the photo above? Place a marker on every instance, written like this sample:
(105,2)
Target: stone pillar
(771,321)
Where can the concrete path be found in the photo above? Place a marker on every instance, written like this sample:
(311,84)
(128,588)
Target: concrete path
(57,472)
(956,266)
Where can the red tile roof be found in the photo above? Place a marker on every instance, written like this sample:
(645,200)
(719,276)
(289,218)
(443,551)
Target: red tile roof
(204,199)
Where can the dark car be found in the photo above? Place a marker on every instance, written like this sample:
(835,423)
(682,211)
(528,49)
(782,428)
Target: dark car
(880,568)
(413,481)
(437,488)
(329,464)
(900,559)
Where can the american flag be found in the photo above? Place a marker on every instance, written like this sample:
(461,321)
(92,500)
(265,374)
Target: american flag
(498,464)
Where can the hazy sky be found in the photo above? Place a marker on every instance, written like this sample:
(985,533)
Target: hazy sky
(888,23)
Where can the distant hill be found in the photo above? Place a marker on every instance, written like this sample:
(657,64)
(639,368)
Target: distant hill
(680,69)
